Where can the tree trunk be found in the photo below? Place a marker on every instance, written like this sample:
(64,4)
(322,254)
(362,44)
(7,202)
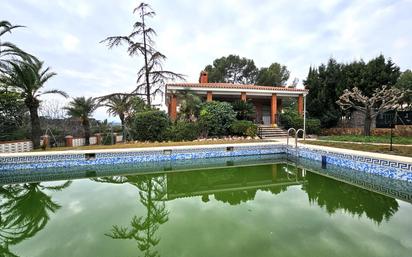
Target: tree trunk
(368,122)
(145,61)
(86,127)
(33,105)
(121,116)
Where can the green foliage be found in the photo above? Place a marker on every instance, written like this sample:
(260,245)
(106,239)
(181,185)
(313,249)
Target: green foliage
(291,119)
(313,126)
(150,125)
(13,115)
(405,83)
(82,108)
(275,75)
(28,78)
(327,82)
(119,105)
(245,110)
(216,118)
(243,128)
(189,105)
(183,131)
(232,69)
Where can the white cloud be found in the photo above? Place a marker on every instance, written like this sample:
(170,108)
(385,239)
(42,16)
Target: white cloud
(70,42)
(192,34)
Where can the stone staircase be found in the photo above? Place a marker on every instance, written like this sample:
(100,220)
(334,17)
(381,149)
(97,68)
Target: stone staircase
(271,132)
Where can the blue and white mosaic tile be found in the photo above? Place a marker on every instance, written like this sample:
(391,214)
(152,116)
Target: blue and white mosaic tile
(385,168)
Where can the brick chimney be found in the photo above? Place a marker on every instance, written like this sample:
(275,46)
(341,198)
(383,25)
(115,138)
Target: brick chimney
(203,77)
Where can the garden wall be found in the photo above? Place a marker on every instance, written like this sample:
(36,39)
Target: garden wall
(399,130)
(16,146)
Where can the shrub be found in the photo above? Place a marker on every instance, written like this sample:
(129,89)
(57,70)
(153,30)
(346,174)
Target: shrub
(243,128)
(150,125)
(245,110)
(183,131)
(291,119)
(216,117)
(312,126)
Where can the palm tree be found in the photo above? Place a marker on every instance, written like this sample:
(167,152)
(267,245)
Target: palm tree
(28,78)
(119,105)
(82,108)
(189,105)
(8,49)
(25,210)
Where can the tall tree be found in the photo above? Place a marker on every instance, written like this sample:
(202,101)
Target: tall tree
(232,69)
(275,75)
(405,83)
(119,105)
(151,77)
(83,108)
(28,78)
(383,99)
(8,50)
(322,83)
(327,82)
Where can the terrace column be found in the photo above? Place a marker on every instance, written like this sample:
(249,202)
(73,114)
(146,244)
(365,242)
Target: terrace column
(209,96)
(300,105)
(173,107)
(243,96)
(273,110)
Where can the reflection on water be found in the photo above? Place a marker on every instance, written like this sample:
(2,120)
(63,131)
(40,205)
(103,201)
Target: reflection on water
(335,195)
(25,208)
(152,192)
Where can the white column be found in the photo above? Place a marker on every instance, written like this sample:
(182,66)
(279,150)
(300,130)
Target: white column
(304,117)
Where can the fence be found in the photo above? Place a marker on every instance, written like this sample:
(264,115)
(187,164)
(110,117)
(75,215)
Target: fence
(16,146)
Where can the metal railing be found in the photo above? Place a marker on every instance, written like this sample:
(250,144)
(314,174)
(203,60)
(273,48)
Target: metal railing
(296,136)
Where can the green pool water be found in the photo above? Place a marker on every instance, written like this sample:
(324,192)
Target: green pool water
(252,209)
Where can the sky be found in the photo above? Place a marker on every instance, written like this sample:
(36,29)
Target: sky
(298,34)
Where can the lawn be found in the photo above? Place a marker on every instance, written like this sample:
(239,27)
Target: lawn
(142,144)
(397,150)
(370,139)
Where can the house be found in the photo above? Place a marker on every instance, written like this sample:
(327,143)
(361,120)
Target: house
(267,100)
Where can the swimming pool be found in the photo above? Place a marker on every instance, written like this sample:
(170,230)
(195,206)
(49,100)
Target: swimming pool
(265,205)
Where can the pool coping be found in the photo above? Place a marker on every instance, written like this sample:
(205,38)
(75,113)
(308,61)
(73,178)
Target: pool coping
(388,157)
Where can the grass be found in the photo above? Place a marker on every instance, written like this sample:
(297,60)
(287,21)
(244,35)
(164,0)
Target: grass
(397,150)
(370,139)
(141,145)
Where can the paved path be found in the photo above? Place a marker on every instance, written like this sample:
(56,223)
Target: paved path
(348,151)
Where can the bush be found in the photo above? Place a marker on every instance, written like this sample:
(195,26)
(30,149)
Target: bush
(291,119)
(150,125)
(312,126)
(243,128)
(245,110)
(183,131)
(216,118)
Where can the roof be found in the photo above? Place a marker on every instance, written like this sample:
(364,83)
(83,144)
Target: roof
(234,86)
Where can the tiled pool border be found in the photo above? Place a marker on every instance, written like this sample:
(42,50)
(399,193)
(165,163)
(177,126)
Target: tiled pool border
(384,167)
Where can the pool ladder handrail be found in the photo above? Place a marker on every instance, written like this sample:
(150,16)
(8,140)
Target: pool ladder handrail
(296,136)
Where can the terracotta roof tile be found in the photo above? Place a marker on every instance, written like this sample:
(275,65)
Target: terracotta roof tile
(234,86)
